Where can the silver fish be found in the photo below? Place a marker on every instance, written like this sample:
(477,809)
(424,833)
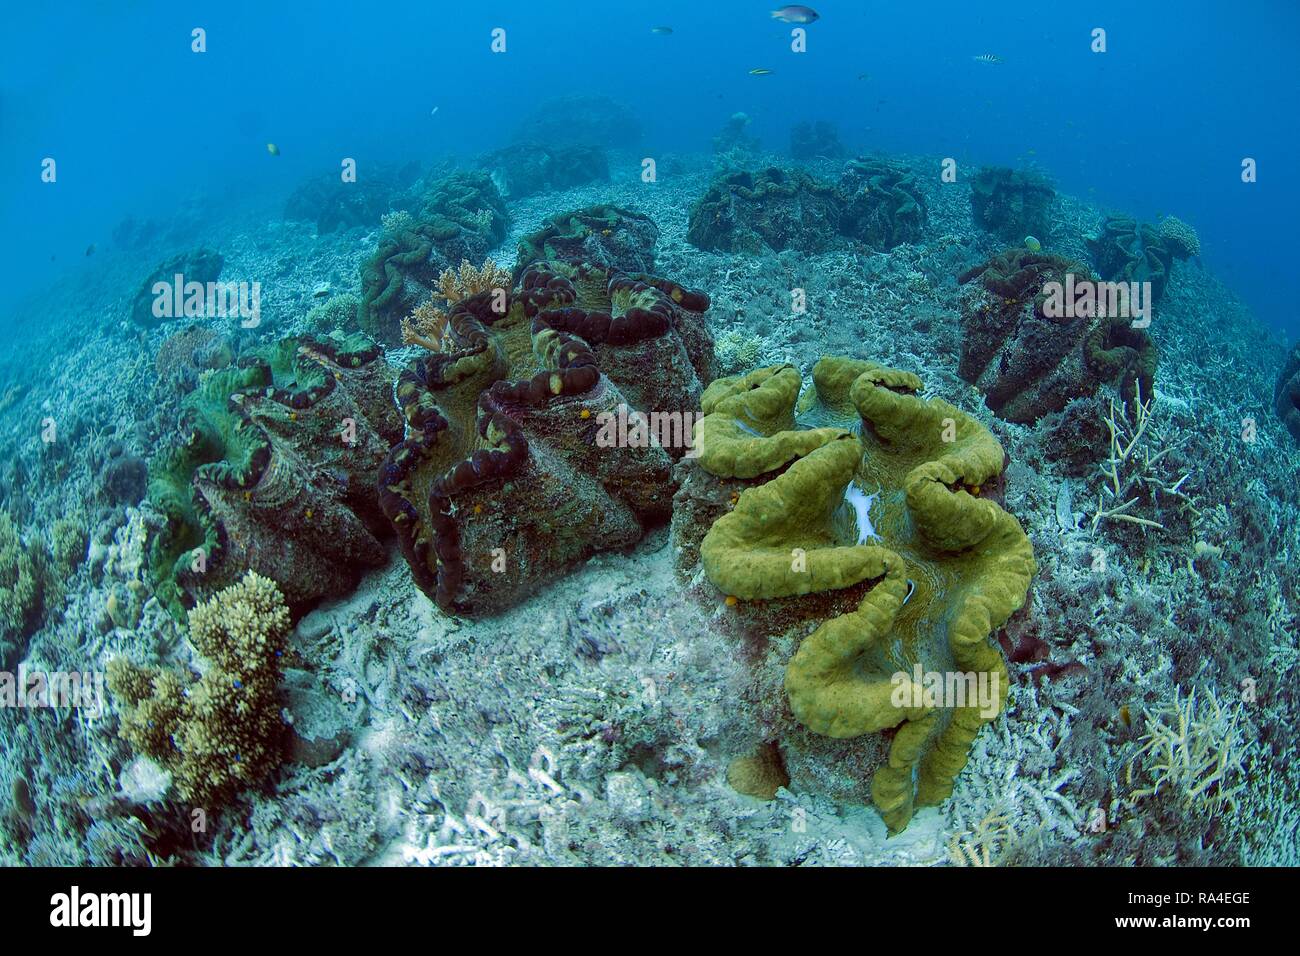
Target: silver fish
(795,13)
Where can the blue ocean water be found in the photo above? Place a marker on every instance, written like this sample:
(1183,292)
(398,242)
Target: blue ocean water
(1157,124)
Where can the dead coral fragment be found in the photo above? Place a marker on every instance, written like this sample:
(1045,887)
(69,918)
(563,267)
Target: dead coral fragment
(1192,749)
(222,732)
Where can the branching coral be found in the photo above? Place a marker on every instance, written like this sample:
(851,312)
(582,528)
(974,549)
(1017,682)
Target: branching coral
(1191,749)
(22,585)
(1130,472)
(223,731)
(897,515)
(513,467)
(427,325)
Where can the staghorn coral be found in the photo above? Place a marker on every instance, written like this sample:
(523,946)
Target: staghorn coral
(1011,204)
(769,209)
(606,236)
(883,203)
(427,325)
(1192,751)
(1130,473)
(892,533)
(1286,393)
(505,478)
(274,471)
(462,216)
(1130,251)
(1028,363)
(222,732)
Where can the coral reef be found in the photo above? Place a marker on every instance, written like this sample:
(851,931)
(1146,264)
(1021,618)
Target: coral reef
(275,472)
(1028,363)
(893,532)
(506,477)
(461,216)
(815,140)
(222,732)
(1011,204)
(199,265)
(524,169)
(1286,394)
(605,236)
(1129,251)
(22,586)
(1182,240)
(771,208)
(185,354)
(883,203)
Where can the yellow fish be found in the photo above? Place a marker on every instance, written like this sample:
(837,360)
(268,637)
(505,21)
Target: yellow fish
(273,149)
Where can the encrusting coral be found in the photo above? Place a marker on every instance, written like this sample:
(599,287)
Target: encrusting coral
(274,471)
(891,504)
(507,475)
(222,732)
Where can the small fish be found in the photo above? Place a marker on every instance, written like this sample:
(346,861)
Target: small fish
(1032,244)
(1126,716)
(987,58)
(434,111)
(795,13)
(760,72)
(273,149)
(662,31)
(90,249)
(864,76)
